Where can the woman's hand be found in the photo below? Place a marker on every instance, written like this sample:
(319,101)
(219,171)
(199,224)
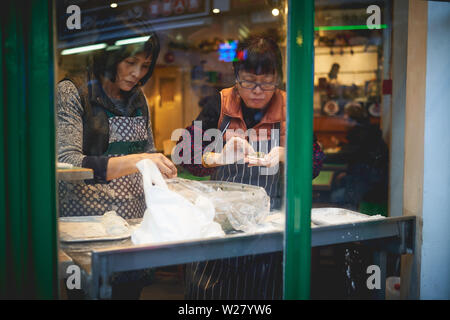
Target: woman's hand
(165,166)
(275,156)
(125,165)
(235,150)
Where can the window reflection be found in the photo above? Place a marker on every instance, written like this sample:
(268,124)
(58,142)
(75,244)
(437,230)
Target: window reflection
(133,73)
(352,124)
(351,112)
(198,87)
(153,80)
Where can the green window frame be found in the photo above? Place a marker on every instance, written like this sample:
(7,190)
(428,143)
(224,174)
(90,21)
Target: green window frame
(28,258)
(300,90)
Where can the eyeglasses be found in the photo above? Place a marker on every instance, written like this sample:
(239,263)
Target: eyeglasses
(251,85)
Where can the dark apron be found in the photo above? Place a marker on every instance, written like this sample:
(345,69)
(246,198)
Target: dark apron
(257,277)
(124,195)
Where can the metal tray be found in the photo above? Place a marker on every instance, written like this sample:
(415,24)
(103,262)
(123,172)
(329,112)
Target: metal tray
(90,227)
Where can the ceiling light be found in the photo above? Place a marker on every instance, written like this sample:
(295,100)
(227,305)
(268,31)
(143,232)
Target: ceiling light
(131,40)
(83,49)
(275,12)
(113,5)
(215,10)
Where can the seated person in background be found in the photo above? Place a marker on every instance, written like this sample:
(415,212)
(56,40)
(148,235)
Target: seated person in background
(365,180)
(366,154)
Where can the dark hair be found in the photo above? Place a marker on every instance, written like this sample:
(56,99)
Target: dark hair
(259,55)
(106,61)
(357,112)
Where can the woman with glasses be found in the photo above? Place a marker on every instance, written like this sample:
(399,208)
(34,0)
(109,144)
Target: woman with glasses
(251,116)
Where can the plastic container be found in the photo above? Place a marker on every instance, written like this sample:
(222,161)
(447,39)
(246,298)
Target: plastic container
(393,288)
(237,206)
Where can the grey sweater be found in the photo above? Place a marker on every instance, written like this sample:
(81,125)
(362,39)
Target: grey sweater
(76,198)
(70,124)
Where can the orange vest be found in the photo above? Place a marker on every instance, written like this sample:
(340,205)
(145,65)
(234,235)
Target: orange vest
(275,113)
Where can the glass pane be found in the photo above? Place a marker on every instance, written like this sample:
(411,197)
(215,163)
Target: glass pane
(198,88)
(352,124)
(350,67)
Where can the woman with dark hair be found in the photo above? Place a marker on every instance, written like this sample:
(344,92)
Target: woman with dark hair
(103,123)
(254,108)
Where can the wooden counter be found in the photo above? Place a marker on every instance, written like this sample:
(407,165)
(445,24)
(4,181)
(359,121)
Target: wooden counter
(73,174)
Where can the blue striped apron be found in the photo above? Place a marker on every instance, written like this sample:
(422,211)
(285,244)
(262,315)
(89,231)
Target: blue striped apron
(258,277)
(242,173)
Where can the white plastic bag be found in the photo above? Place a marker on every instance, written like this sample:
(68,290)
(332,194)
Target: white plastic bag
(169,216)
